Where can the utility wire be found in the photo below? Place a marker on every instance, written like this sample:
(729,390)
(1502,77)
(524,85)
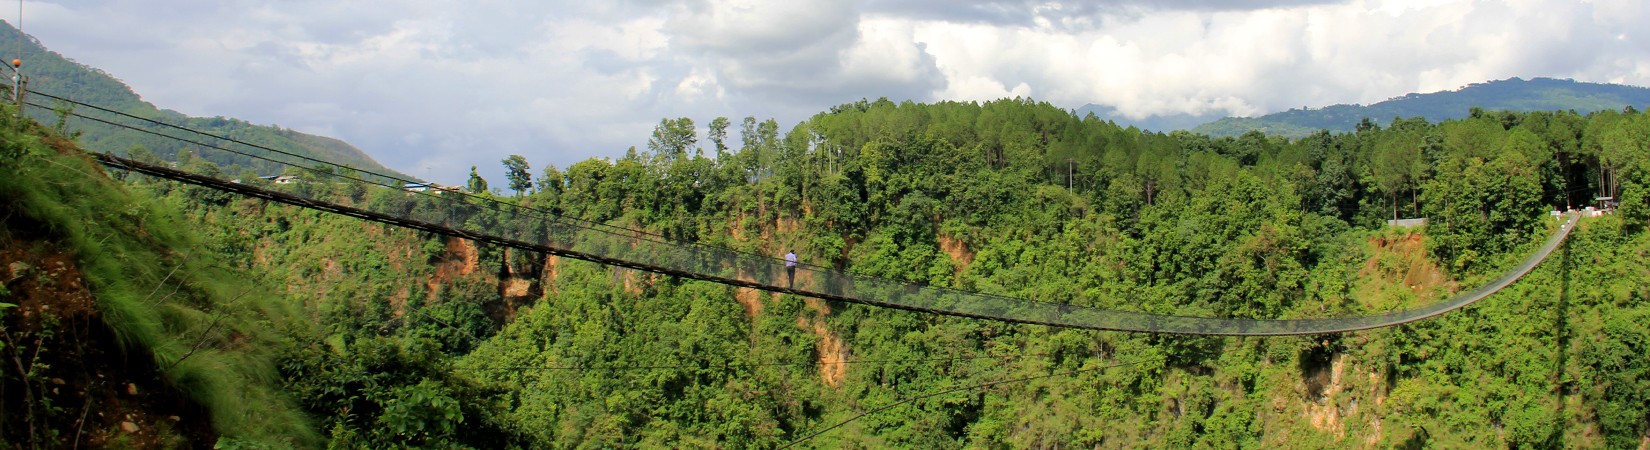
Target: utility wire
(956,389)
(493,203)
(486,203)
(211,146)
(544,213)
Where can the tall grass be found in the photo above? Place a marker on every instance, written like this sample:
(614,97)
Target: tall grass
(210,331)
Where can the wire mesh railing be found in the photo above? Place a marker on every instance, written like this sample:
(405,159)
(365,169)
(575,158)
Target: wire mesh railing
(456,213)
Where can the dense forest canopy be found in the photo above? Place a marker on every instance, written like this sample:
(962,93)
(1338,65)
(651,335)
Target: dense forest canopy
(867,166)
(419,340)
(1020,198)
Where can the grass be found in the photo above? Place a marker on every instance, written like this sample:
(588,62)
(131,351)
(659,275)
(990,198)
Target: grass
(162,295)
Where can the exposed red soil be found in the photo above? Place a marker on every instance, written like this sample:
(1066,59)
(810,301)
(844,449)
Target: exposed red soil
(460,258)
(58,351)
(832,350)
(1413,269)
(958,251)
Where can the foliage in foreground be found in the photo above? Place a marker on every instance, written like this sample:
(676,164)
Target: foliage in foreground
(167,313)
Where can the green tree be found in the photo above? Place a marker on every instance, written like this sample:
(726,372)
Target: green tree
(718,135)
(672,139)
(551,184)
(516,170)
(1621,376)
(476,184)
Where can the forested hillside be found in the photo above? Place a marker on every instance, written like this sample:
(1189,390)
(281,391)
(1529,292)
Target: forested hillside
(54,74)
(405,338)
(1020,199)
(1513,94)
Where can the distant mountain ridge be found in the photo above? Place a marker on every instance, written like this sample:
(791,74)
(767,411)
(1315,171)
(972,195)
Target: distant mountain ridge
(1512,94)
(54,73)
(1163,123)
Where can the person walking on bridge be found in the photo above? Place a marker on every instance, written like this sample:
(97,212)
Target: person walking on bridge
(790,269)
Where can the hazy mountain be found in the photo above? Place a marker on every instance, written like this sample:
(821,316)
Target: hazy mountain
(1513,94)
(53,73)
(1150,122)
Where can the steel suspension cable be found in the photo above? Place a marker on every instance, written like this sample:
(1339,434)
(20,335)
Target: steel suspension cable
(324,162)
(485,201)
(909,296)
(555,236)
(723,365)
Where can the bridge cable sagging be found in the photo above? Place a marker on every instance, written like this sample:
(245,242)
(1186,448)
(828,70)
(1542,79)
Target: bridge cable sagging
(497,222)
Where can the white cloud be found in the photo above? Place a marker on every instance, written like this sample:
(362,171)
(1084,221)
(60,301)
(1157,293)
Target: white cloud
(443,85)
(738,26)
(1256,61)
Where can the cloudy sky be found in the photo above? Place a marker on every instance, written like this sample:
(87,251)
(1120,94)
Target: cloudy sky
(431,87)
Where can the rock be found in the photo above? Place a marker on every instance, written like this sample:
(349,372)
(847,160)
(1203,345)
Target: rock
(19,268)
(129,427)
(131,389)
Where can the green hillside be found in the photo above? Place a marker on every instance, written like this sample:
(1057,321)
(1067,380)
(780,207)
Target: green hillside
(55,74)
(142,314)
(110,304)
(1513,94)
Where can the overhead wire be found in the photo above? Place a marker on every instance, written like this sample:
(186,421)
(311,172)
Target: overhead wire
(546,213)
(486,202)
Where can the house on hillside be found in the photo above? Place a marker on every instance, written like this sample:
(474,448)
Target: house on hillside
(280,179)
(1607,203)
(425,186)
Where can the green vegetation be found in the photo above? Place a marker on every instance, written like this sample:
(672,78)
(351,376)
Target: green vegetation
(149,315)
(1020,199)
(115,306)
(415,340)
(373,366)
(1513,94)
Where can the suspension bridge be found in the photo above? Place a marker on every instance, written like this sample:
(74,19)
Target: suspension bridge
(487,220)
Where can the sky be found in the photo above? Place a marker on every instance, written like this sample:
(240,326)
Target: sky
(432,87)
